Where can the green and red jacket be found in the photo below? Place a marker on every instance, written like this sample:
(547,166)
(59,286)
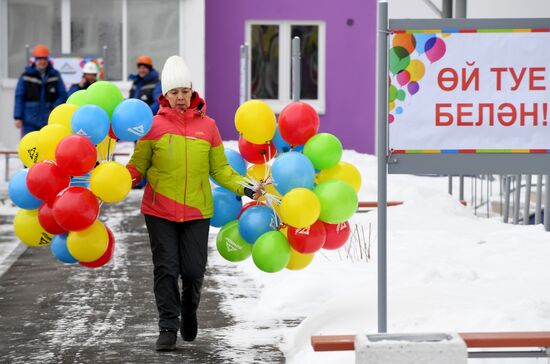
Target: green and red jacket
(180,152)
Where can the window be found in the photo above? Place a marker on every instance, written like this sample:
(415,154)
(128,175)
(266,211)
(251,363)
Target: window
(271,61)
(128,28)
(42,19)
(158,39)
(93,27)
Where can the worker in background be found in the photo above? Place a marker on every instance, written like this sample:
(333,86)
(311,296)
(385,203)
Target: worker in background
(146,86)
(89,76)
(39,90)
(146,83)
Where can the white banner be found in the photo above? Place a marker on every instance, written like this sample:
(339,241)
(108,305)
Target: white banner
(469,91)
(70,67)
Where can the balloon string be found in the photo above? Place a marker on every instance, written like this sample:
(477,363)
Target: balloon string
(109,148)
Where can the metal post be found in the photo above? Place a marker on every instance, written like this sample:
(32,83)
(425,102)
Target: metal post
(539,199)
(105,68)
(7,168)
(461,7)
(243,87)
(517,197)
(547,202)
(447,8)
(27,54)
(450,185)
(506,212)
(296,69)
(461,187)
(381,151)
(527,201)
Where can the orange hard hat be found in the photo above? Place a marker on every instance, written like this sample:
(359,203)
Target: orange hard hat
(40,51)
(144,59)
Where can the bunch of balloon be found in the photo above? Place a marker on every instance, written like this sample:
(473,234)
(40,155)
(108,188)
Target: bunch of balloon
(319,190)
(70,175)
(295,217)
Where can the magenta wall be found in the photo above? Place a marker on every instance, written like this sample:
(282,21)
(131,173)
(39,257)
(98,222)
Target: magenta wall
(350,61)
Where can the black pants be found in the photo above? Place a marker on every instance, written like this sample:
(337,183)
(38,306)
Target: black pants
(179,249)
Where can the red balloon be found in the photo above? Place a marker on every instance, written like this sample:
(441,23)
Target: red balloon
(298,122)
(75,208)
(106,257)
(337,235)
(256,153)
(47,220)
(76,155)
(250,204)
(307,240)
(45,180)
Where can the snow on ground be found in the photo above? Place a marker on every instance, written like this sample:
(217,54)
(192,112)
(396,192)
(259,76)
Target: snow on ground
(448,270)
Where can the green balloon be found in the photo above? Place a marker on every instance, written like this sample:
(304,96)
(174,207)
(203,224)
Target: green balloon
(393,92)
(77,98)
(324,150)
(401,95)
(399,59)
(271,252)
(230,243)
(338,201)
(105,95)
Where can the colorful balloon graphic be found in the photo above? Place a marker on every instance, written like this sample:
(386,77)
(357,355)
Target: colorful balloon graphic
(403,77)
(399,59)
(421,40)
(435,49)
(404,40)
(416,70)
(413,87)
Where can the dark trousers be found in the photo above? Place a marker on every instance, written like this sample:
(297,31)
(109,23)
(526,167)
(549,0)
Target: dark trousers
(180,249)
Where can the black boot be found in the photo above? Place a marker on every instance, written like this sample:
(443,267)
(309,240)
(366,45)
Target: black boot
(189,327)
(167,340)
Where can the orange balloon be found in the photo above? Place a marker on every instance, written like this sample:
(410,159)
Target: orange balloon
(404,40)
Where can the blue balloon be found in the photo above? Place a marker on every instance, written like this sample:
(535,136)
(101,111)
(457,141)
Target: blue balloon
(421,40)
(255,221)
(281,144)
(60,250)
(236,161)
(132,119)
(19,192)
(227,206)
(92,122)
(292,170)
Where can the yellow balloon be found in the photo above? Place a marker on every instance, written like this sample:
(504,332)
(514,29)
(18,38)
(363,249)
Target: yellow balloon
(258,171)
(416,70)
(392,105)
(62,115)
(300,208)
(28,229)
(28,148)
(89,244)
(48,139)
(344,171)
(106,148)
(298,260)
(255,121)
(110,181)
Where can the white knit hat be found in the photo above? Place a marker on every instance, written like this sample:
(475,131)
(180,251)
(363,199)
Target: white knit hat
(175,74)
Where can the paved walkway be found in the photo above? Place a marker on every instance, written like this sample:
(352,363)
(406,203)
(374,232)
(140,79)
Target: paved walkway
(56,313)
